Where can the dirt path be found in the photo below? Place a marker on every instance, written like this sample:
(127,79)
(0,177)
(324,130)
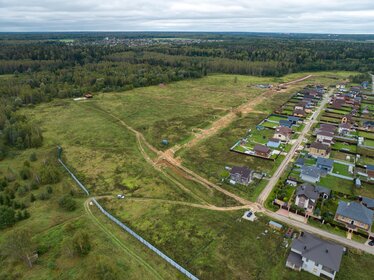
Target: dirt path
(227,119)
(120,244)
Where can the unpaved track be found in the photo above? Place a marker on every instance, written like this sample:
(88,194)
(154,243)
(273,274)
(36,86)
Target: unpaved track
(120,244)
(227,119)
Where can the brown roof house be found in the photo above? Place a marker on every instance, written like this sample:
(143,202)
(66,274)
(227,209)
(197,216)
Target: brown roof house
(315,255)
(354,215)
(262,150)
(347,119)
(241,175)
(299,113)
(325,137)
(319,149)
(283,133)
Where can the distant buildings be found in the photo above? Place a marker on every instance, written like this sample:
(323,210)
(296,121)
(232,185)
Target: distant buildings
(315,256)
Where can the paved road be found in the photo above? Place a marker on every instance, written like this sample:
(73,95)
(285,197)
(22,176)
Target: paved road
(274,179)
(320,232)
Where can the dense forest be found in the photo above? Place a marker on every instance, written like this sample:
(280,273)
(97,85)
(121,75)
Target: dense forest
(38,67)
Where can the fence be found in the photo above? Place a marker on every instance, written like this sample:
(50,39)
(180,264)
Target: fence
(127,229)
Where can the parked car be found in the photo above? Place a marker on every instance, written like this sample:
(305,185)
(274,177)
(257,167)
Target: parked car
(120,196)
(371,243)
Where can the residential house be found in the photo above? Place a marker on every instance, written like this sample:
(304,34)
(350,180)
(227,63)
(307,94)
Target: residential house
(325,137)
(337,104)
(306,197)
(370,171)
(262,150)
(319,149)
(325,164)
(300,162)
(310,174)
(369,125)
(315,255)
(341,86)
(241,175)
(354,215)
(365,84)
(299,113)
(345,128)
(367,202)
(327,127)
(293,120)
(285,123)
(273,143)
(283,133)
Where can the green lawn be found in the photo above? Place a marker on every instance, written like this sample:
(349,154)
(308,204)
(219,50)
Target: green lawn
(336,184)
(341,169)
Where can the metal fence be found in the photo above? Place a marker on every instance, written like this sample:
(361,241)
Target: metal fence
(145,242)
(127,229)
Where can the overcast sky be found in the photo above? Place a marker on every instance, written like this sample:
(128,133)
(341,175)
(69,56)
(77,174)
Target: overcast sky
(316,16)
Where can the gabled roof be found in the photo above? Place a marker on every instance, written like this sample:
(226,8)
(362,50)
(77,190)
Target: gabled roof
(261,148)
(325,133)
(284,130)
(286,123)
(322,190)
(318,250)
(308,191)
(370,167)
(369,202)
(355,211)
(325,162)
(311,171)
(327,127)
(319,146)
(242,170)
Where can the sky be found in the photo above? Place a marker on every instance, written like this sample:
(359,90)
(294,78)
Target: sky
(305,16)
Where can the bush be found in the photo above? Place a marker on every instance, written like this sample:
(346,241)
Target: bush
(33,157)
(81,243)
(49,174)
(7,217)
(67,203)
(44,196)
(25,173)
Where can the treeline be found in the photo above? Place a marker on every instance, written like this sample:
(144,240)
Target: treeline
(39,71)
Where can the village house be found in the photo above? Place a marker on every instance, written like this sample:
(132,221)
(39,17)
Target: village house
(286,123)
(283,133)
(325,164)
(315,255)
(319,150)
(306,197)
(293,120)
(369,125)
(262,150)
(310,174)
(341,86)
(299,113)
(370,171)
(273,143)
(241,175)
(345,129)
(354,215)
(367,202)
(327,128)
(325,137)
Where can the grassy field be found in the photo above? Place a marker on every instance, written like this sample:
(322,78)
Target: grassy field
(225,247)
(105,156)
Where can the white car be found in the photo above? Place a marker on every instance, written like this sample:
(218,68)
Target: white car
(120,196)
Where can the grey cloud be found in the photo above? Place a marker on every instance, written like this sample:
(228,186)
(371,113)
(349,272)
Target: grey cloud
(334,16)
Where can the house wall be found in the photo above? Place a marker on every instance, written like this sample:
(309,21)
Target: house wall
(349,221)
(321,138)
(316,269)
(317,152)
(302,202)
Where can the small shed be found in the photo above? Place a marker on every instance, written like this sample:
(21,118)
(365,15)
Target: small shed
(275,225)
(165,142)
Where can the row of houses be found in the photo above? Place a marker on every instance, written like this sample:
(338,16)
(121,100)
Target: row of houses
(309,98)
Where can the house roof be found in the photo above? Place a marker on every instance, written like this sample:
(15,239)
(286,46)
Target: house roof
(325,162)
(293,119)
(327,127)
(300,161)
(325,133)
(355,211)
(318,250)
(299,112)
(261,148)
(311,171)
(369,202)
(308,191)
(322,190)
(242,170)
(295,259)
(284,130)
(319,146)
(285,123)
(370,167)
(345,125)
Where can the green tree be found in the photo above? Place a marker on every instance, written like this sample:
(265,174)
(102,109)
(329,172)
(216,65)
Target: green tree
(67,203)
(7,217)
(81,243)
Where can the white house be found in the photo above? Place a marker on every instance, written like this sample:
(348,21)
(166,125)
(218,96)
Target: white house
(316,256)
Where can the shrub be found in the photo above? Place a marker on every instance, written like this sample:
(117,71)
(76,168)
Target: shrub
(67,203)
(33,157)
(7,217)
